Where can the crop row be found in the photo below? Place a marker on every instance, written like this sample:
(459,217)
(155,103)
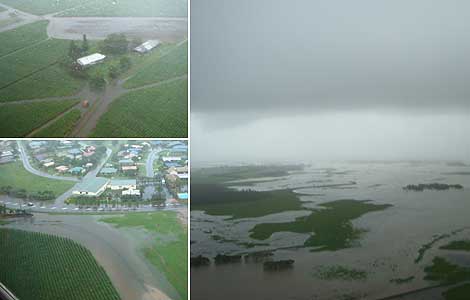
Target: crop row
(42,266)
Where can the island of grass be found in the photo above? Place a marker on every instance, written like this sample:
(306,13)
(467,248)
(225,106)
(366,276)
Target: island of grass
(155,111)
(14,176)
(226,174)
(432,186)
(46,267)
(218,200)
(169,253)
(463,245)
(330,226)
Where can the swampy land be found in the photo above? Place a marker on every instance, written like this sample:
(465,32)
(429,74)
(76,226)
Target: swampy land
(351,229)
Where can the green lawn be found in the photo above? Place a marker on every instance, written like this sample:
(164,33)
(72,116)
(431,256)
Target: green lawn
(17,120)
(62,127)
(22,36)
(14,175)
(330,227)
(46,267)
(171,65)
(154,112)
(170,251)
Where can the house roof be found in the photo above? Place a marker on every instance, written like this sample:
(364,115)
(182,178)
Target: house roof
(108,170)
(123,182)
(92,185)
(147,46)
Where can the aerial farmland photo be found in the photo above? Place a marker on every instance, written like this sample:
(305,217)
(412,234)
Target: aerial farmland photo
(107,68)
(91,219)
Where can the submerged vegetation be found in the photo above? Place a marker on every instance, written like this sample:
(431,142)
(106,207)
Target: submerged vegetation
(330,227)
(445,272)
(46,267)
(432,186)
(457,245)
(278,265)
(227,259)
(169,252)
(200,261)
(339,273)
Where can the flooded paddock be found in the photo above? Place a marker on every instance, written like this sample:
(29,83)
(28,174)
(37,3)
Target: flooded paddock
(116,250)
(96,28)
(387,250)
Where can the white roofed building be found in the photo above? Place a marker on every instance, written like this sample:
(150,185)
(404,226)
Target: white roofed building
(147,46)
(91,59)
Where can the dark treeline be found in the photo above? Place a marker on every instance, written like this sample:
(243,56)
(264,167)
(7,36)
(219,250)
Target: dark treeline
(213,193)
(432,186)
(23,194)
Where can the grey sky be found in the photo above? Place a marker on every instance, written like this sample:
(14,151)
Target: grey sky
(258,61)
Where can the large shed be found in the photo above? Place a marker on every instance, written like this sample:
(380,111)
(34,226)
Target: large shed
(92,59)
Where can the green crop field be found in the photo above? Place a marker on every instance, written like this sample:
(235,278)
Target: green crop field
(17,120)
(42,7)
(45,267)
(171,65)
(169,253)
(62,127)
(14,175)
(51,82)
(23,36)
(154,112)
(25,62)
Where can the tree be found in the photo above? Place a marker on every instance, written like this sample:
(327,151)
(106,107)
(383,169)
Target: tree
(115,44)
(125,63)
(97,81)
(114,72)
(74,51)
(85,45)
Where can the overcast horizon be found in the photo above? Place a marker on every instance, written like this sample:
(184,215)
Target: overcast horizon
(330,80)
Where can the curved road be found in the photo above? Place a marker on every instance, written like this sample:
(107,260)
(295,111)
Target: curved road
(29,168)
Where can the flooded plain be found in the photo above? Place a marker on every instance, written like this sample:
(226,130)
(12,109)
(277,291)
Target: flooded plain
(118,251)
(388,250)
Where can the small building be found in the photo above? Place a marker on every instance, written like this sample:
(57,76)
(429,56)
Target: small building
(90,60)
(62,169)
(171,158)
(147,46)
(131,193)
(91,187)
(108,171)
(49,164)
(183,196)
(123,184)
(77,170)
(126,162)
(129,168)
